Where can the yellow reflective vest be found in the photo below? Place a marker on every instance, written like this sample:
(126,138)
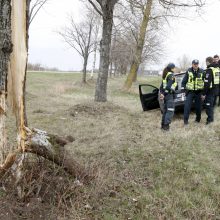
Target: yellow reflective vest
(216,76)
(174,85)
(195,83)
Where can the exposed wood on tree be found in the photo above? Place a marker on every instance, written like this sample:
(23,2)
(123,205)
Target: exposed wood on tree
(18,61)
(51,147)
(13,27)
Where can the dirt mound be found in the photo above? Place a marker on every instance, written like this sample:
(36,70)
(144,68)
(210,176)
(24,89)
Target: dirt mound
(34,209)
(42,193)
(95,109)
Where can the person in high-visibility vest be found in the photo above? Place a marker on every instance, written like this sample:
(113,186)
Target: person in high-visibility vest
(211,84)
(217,96)
(193,84)
(167,90)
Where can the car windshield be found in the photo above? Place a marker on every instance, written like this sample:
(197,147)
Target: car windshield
(179,79)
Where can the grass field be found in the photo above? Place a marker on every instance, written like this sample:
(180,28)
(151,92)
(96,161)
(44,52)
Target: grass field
(142,172)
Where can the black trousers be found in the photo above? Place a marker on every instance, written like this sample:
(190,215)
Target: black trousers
(196,96)
(209,104)
(168,109)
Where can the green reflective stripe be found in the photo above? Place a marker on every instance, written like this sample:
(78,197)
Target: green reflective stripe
(195,84)
(165,80)
(216,75)
(174,85)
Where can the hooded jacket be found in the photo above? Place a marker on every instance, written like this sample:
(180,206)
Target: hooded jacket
(208,79)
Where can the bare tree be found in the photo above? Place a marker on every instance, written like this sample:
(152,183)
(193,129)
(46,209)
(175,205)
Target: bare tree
(147,7)
(140,42)
(97,27)
(104,8)
(125,38)
(184,62)
(81,37)
(121,54)
(34,7)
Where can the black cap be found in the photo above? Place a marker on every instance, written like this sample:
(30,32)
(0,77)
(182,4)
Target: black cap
(195,62)
(171,65)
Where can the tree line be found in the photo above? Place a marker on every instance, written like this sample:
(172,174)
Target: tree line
(125,33)
(116,32)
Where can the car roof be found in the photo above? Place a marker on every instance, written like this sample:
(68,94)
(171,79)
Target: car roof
(179,74)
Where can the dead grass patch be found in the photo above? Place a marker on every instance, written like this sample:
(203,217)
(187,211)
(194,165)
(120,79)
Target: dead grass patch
(142,172)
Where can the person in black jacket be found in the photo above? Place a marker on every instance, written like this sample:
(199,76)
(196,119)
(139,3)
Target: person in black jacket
(217,62)
(192,85)
(219,85)
(167,89)
(211,84)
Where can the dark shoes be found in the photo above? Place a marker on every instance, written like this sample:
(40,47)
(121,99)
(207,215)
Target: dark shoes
(186,122)
(165,127)
(208,122)
(197,120)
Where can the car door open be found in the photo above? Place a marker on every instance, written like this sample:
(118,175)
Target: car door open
(148,96)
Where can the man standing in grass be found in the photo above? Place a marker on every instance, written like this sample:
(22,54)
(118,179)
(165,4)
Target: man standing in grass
(211,84)
(193,85)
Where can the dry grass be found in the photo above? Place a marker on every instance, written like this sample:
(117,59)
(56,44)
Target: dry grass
(142,173)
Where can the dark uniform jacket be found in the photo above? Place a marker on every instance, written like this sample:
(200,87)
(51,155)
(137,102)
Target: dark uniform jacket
(196,73)
(208,79)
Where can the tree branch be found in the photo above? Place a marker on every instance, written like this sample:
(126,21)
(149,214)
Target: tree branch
(95,7)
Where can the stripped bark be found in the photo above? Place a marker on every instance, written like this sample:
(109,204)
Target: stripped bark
(13,27)
(51,147)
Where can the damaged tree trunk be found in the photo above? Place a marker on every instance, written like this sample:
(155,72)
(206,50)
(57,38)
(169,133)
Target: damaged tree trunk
(13,31)
(52,148)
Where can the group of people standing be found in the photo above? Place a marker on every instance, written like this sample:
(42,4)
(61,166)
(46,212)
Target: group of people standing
(198,85)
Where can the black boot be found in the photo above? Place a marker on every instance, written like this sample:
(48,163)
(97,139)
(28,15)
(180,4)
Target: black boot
(186,122)
(165,127)
(197,120)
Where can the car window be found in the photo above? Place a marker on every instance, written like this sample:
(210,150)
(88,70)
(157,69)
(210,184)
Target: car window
(145,89)
(179,79)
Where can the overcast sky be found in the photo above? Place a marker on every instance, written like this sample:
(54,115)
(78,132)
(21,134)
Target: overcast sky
(197,38)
